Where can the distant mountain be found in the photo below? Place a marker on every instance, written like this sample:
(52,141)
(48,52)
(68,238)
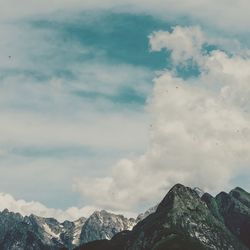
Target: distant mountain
(17,232)
(34,232)
(104,225)
(142,216)
(187,220)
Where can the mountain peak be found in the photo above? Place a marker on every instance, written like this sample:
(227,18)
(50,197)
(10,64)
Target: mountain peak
(104,225)
(5,211)
(241,195)
(178,197)
(239,189)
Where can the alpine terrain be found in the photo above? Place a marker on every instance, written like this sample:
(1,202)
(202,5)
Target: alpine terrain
(186,219)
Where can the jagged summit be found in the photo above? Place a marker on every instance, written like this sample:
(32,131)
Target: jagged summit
(104,225)
(48,233)
(242,195)
(178,197)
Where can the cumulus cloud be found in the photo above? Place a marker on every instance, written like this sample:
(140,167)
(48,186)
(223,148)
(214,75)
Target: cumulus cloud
(27,208)
(199,134)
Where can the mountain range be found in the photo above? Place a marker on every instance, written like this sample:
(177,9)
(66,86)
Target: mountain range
(34,232)
(186,218)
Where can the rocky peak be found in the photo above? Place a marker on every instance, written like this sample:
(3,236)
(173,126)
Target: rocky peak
(212,205)
(179,197)
(104,225)
(241,195)
(68,224)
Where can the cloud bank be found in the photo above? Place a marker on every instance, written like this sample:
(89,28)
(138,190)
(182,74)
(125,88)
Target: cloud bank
(200,130)
(27,208)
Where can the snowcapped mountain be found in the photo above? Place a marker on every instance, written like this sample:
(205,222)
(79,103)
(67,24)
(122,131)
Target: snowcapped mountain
(55,233)
(34,232)
(104,225)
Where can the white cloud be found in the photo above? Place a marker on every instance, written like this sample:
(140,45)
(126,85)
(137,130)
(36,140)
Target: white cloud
(97,131)
(200,132)
(184,43)
(27,208)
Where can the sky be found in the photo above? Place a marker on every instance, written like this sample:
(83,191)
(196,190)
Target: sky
(106,105)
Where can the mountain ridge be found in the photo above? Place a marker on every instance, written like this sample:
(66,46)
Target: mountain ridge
(48,233)
(183,220)
(186,218)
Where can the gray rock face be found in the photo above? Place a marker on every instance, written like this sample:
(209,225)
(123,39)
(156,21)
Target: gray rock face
(142,216)
(35,233)
(104,225)
(72,232)
(235,209)
(17,232)
(199,191)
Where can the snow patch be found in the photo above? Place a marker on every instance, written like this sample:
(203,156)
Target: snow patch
(48,230)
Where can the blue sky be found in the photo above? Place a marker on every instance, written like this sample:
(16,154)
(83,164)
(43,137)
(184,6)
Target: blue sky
(76,87)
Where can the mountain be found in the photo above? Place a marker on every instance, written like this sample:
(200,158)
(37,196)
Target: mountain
(34,232)
(16,232)
(104,225)
(186,220)
(234,207)
(142,216)
(72,231)
(199,191)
